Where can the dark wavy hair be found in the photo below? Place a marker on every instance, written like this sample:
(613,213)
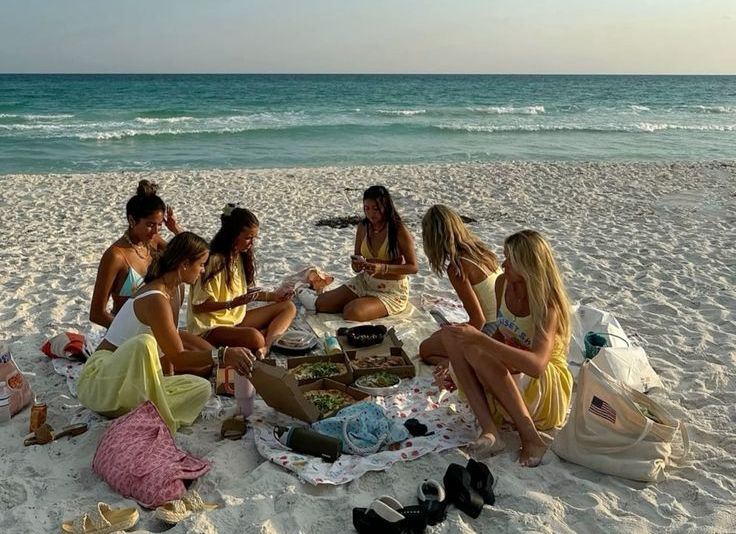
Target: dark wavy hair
(383,198)
(186,246)
(145,202)
(233,221)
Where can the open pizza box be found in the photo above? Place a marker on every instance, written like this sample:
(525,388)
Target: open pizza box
(295,361)
(390,346)
(282,393)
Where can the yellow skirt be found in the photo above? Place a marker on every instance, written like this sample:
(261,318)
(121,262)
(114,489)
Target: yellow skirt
(113,383)
(393,294)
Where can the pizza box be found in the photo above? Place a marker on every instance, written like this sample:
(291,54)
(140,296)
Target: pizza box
(389,340)
(345,378)
(407,370)
(281,391)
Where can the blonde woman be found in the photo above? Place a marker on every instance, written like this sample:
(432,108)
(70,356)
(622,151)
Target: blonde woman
(470,265)
(520,373)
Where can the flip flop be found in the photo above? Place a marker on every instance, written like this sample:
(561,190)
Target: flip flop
(431,496)
(102,520)
(459,490)
(387,516)
(233,428)
(45,434)
(481,480)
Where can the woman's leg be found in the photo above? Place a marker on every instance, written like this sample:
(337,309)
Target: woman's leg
(334,301)
(364,309)
(275,319)
(432,350)
(497,380)
(236,336)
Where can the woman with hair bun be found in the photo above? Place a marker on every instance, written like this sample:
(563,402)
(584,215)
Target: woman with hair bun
(218,301)
(125,262)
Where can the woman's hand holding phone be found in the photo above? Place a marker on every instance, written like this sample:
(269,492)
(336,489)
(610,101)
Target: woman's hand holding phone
(358,262)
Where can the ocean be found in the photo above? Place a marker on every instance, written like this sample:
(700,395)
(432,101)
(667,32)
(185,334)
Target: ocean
(92,123)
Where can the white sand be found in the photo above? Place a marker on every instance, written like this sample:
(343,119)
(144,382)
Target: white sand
(652,243)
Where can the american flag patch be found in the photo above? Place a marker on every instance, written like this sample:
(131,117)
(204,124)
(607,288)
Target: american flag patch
(602,409)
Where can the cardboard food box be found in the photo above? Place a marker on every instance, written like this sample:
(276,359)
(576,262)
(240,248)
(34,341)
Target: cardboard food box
(282,393)
(406,370)
(345,378)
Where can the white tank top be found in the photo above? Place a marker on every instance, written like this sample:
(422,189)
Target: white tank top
(126,325)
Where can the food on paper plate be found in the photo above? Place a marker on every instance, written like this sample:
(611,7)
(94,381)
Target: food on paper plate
(382,379)
(329,400)
(379,362)
(307,371)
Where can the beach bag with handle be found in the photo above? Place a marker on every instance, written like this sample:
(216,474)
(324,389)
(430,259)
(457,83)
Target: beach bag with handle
(138,458)
(617,430)
(20,390)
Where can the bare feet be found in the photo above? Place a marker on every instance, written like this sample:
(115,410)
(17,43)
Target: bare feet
(443,378)
(486,445)
(532,452)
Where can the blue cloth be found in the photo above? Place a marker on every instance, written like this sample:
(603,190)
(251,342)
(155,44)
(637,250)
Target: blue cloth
(363,428)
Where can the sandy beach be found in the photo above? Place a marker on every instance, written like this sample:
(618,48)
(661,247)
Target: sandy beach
(653,243)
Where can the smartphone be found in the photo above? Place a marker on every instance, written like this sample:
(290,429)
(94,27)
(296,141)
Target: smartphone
(439,317)
(254,289)
(357,258)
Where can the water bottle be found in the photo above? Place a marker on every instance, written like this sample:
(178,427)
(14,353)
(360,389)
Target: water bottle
(332,345)
(308,441)
(242,390)
(4,403)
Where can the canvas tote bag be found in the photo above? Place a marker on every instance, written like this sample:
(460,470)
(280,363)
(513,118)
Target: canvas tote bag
(608,432)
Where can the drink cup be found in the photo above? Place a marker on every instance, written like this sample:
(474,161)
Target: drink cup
(242,390)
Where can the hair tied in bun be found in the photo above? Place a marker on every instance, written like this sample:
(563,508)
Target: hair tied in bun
(146,188)
(228,209)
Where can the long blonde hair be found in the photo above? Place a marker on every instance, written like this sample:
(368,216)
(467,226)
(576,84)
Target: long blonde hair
(446,240)
(531,256)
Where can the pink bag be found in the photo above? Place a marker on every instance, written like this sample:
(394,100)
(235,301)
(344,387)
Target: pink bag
(20,390)
(138,458)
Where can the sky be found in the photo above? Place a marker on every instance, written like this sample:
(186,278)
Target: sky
(369,36)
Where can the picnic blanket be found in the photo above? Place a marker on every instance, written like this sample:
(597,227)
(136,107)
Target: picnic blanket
(449,422)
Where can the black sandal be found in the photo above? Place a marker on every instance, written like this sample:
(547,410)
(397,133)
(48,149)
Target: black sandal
(481,480)
(460,492)
(432,497)
(387,516)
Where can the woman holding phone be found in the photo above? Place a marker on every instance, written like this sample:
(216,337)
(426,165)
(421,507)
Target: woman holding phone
(383,257)
(218,302)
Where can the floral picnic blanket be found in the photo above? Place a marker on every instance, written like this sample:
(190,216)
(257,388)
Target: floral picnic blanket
(449,422)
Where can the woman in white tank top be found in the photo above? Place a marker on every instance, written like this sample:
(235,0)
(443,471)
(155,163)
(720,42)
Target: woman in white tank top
(470,265)
(126,369)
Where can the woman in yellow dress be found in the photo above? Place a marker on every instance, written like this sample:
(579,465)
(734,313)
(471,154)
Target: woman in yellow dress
(127,370)
(519,372)
(383,257)
(218,303)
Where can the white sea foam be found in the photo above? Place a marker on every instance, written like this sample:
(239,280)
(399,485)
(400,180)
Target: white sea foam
(716,109)
(637,108)
(509,110)
(404,112)
(639,127)
(163,120)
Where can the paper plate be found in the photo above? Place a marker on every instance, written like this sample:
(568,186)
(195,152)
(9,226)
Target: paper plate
(361,382)
(295,342)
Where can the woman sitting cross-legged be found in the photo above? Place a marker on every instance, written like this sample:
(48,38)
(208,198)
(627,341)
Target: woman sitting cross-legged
(383,257)
(470,265)
(127,369)
(520,373)
(217,306)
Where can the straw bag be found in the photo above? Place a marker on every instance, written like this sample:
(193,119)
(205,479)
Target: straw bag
(616,430)
(138,458)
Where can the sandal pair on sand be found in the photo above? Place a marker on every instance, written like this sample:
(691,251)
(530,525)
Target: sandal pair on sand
(468,488)
(233,428)
(45,434)
(102,520)
(191,503)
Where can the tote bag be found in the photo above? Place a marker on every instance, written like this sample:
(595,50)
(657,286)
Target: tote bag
(138,458)
(619,431)
(20,390)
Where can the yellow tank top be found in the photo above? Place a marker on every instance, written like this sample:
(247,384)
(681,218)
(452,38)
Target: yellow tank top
(485,291)
(382,253)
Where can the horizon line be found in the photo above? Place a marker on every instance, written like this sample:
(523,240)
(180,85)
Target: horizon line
(116,73)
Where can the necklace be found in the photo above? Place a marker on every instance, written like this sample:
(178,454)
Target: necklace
(378,230)
(138,247)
